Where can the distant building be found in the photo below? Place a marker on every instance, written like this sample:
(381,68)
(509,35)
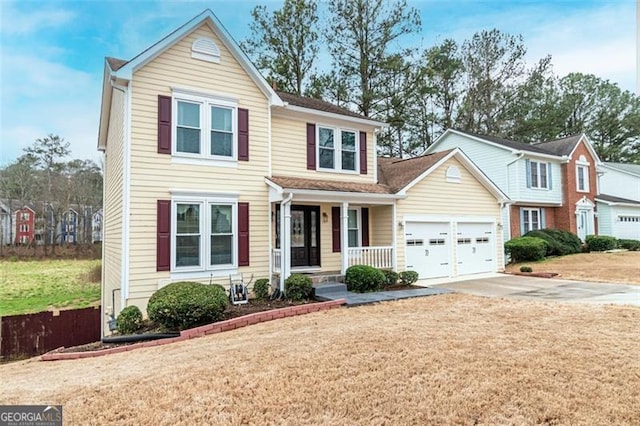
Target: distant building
(24,225)
(5,224)
(96,227)
(69,227)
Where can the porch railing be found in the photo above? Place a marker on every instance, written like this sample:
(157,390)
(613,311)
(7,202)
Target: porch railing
(378,257)
(276,260)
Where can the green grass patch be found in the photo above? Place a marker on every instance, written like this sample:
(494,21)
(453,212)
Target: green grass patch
(42,285)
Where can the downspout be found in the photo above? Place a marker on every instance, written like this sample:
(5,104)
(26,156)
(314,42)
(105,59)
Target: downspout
(285,232)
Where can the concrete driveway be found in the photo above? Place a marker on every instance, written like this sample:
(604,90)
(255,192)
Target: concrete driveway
(532,288)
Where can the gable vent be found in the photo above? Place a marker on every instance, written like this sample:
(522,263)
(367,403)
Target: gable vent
(453,174)
(206,50)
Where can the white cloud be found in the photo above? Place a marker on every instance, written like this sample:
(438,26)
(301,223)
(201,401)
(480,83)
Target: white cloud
(19,22)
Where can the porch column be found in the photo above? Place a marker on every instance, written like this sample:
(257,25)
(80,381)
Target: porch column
(394,237)
(285,243)
(344,236)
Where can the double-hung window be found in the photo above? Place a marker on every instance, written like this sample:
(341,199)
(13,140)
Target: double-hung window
(531,220)
(204,127)
(337,149)
(354,227)
(205,234)
(582,174)
(538,175)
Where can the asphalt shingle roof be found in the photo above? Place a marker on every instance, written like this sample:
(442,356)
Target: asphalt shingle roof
(511,144)
(627,167)
(317,104)
(613,199)
(398,173)
(562,146)
(116,63)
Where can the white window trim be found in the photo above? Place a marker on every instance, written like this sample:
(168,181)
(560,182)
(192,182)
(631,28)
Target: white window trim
(453,175)
(205,102)
(529,211)
(536,185)
(358,211)
(585,168)
(205,233)
(337,149)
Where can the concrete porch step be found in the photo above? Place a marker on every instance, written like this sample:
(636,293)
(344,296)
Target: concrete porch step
(321,289)
(326,278)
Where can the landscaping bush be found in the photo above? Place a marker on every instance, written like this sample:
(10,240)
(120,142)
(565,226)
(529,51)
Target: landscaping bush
(298,287)
(390,277)
(186,304)
(631,245)
(526,269)
(559,242)
(363,279)
(261,288)
(522,249)
(408,277)
(130,320)
(601,242)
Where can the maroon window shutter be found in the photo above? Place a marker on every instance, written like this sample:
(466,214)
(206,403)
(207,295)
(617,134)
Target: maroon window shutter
(243,234)
(363,153)
(335,228)
(243,134)
(365,226)
(163,244)
(164,124)
(311,146)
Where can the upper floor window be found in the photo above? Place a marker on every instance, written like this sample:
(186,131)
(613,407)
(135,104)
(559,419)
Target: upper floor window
(582,174)
(538,174)
(205,127)
(25,216)
(337,149)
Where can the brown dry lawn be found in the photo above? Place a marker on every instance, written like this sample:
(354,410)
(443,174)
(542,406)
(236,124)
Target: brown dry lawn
(452,359)
(619,267)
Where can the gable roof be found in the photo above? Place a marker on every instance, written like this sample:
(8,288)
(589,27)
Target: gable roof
(625,167)
(317,104)
(287,182)
(563,146)
(398,173)
(610,199)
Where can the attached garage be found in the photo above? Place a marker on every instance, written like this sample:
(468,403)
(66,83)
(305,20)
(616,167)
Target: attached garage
(453,248)
(618,217)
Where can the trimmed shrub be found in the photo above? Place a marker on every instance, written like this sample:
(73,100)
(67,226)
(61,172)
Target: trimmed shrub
(187,304)
(390,277)
(261,288)
(298,287)
(524,249)
(631,245)
(364,279)
(601,242)
(526,269)
(408,277)
(559,242)
(130,320)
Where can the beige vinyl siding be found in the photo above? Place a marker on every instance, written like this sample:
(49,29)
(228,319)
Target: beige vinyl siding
(289,149)
(381,226)
(435,196)
(113,201)
(154,175)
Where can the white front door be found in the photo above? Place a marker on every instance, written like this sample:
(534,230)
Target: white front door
(428,248)
(584,223)
(475,248)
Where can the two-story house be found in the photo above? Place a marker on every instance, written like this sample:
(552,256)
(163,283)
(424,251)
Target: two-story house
(96,226)
(551,184)
(5,224)
(69,227)
(209,171)
(619,200)
(24,225)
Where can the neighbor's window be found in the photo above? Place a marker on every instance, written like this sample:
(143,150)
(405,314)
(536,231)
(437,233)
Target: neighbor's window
(538,174)
(531,219)
(337,149)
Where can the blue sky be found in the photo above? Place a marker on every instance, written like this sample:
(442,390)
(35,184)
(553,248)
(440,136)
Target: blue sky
(52,52)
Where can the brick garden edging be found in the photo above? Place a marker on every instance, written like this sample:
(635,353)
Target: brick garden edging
(216,327)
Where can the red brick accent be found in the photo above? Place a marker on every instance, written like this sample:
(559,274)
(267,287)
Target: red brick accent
(204,330)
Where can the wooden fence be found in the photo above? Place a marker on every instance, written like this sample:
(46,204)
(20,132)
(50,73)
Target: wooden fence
(35,334)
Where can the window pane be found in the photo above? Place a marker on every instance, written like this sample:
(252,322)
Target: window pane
(348,141)
(353,219)
(188,140)
(326,137)
(348,160)
(353,238)
(221,249)
(326,158)
(188,219)
(221,143)
(525,218)
(535,222)
(188,114)
(534,174)
(221,119)
(543,175)
(188,250)
(221,219)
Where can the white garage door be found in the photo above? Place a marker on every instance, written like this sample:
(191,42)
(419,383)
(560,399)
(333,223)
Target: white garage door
(475,248)
(626,223)
(428,248)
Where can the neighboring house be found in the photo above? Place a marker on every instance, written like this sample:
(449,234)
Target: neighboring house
(619,200)
(69,227)
(209,172)
(5,224)
(96,227)
(24,225)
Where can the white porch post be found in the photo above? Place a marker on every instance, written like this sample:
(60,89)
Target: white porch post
(344,236)
(394,238)
(285,243)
